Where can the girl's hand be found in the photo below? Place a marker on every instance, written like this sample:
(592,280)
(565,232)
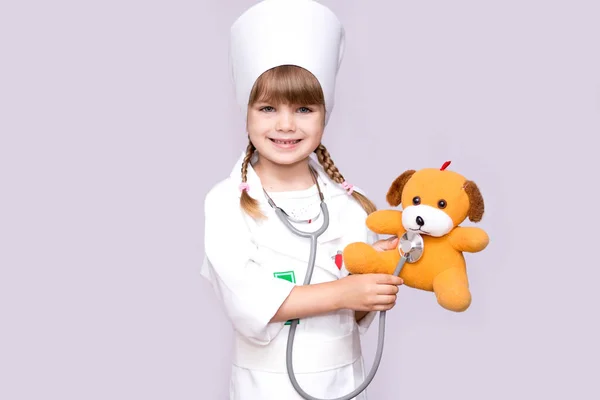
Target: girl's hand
(371,292)
(368,292)
(386,244)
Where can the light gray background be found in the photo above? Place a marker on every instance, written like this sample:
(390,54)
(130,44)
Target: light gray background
(107,112)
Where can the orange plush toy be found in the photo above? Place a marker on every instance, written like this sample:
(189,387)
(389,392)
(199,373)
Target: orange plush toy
(434,203)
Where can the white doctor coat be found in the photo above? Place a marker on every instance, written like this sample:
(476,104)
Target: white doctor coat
(253,266)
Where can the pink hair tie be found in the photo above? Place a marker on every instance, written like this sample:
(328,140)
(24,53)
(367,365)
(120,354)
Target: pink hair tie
(244,186)
(349,187)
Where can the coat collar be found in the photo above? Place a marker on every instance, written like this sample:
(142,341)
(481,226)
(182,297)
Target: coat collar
(335,197)
(329,187)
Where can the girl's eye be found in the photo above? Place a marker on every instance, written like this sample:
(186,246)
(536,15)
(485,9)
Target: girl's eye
(267,109)
(304,109)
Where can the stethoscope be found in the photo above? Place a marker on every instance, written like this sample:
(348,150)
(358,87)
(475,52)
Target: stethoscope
(411,248)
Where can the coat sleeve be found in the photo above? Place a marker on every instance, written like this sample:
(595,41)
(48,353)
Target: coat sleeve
(249,294)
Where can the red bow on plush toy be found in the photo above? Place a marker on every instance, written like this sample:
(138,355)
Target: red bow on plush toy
(434,203)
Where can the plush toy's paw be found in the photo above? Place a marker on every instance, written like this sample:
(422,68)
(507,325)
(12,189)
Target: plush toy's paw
(469,239)
(451,289)
(387,222)
(362,258)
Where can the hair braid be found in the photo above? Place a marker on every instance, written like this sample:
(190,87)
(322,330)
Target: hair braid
(249,204)
(334,173)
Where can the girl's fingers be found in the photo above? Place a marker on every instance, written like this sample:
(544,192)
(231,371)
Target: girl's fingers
(387,289)
(388,279)
(385,299)
(384,307)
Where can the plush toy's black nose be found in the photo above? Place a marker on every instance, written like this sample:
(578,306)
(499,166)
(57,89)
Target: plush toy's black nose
(420,221)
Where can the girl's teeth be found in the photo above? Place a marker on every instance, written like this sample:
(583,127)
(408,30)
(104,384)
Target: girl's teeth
(286,141)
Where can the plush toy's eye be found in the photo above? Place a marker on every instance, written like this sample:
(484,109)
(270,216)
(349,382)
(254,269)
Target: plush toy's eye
(442,204)
(416,200)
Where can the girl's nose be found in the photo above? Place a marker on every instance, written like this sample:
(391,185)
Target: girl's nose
(285,122)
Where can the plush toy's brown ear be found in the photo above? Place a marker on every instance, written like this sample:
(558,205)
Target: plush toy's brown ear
(476,207)
(394,194)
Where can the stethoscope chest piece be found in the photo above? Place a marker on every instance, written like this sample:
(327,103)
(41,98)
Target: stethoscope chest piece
(411,246)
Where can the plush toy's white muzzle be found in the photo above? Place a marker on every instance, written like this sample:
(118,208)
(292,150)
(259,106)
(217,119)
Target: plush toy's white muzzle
(427,220)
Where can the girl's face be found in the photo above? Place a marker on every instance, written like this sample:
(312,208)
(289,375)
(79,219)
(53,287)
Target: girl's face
(285,134)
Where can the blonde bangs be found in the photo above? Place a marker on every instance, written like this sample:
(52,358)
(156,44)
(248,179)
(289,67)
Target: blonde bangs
(287,84)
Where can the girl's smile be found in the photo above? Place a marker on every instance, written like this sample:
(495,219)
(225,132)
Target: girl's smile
(285,144)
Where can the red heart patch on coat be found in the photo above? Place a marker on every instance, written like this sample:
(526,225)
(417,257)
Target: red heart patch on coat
(338,259)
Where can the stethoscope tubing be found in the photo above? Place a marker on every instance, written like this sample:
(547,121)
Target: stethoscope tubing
(313,236)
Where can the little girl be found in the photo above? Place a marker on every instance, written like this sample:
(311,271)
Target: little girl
(285,55)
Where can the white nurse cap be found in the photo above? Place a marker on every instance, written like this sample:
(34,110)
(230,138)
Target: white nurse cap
(279,32)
